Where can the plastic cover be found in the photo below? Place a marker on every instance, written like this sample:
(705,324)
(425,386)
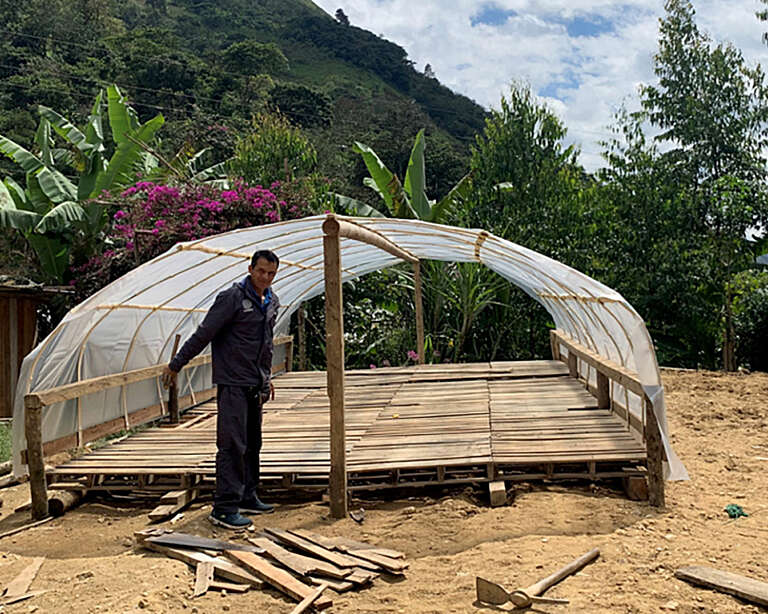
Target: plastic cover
(131,323)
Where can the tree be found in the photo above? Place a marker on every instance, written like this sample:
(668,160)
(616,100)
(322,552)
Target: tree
(253,58)
(763,16)
(428,72)
(342,18)
(712,109)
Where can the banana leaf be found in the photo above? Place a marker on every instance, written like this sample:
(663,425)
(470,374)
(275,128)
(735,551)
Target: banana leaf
(25,159)
(17,194)
(128,156)
(65,129)
(11,217)
(401,205)
(380,174)
(415,179)
(61,217)
(353,206)
(122,118)
(43,140)
(448,204)
(53,255)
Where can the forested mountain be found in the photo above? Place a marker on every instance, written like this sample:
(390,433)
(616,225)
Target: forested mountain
(208,66)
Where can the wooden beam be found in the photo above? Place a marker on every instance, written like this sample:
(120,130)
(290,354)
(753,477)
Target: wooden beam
(655,455)
(173,389)
(603,391)
(349,230)
(203,578)
(43,398)
(614,371)
(746,588)
(33,427)
(334,335)
(419,311)
(498,493)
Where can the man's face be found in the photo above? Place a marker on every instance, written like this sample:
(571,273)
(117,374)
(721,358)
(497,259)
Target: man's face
(262,273)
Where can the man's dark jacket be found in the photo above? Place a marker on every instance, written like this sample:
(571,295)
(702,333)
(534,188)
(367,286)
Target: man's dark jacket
(240,333)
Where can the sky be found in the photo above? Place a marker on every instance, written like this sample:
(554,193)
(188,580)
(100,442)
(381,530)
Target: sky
(583,58)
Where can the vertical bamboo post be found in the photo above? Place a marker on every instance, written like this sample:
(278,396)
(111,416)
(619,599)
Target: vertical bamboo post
(603,391)
(289,356)
(301,332)
(419,310)
(33,429)
(554,345)
(173,389)
(573,365)
(655,455)
(334,336)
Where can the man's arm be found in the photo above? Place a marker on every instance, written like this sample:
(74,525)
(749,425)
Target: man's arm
(217,317)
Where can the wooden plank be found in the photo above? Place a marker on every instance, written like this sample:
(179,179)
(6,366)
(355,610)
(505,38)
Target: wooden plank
(296,541)
(221,567)
(21,583)
(655,456)
(203,578)
(302,565)
(183,540)
(309,600)
(395,566)
(280,579)
(172,502)
(744,587)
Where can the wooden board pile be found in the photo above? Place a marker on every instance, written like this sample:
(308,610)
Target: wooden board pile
(294,562)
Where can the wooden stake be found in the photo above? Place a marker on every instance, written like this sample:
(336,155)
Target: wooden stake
(603,391)
(655,455)
(33,427)
(334,334)
(301,333)
(419,311)
(173,389)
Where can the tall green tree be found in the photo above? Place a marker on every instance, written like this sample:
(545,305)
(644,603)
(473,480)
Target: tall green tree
(712,111)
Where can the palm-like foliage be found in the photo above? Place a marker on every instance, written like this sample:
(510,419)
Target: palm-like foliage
(404,200)
(53,209)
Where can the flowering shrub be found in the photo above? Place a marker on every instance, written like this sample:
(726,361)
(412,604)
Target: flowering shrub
(149,218)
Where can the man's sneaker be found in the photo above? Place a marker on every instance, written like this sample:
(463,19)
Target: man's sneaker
(229,520)
(254,506)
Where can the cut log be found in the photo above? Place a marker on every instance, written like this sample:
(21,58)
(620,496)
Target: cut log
(63,500)
(746,588)
(279,578)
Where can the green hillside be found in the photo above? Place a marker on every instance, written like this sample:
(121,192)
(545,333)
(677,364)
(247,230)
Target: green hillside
(208,64)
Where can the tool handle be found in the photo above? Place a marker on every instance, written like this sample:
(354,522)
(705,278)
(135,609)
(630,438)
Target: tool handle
(570,568)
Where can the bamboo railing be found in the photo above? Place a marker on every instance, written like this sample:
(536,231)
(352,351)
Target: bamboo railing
(607,371)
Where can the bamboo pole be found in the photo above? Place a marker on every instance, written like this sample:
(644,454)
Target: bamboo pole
(334,333)
(33,427)
(419,311)
(301,330)
(173,388)
(349,230)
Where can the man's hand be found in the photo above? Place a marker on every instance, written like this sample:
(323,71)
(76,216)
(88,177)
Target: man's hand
(168,376)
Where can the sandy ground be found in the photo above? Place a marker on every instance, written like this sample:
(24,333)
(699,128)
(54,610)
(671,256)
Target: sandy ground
(719,426)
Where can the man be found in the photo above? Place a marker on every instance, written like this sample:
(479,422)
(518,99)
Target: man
(239,326)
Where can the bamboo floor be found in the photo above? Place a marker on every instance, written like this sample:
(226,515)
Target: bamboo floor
(417,425)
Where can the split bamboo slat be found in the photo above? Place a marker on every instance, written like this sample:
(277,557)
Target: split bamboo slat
(415,424)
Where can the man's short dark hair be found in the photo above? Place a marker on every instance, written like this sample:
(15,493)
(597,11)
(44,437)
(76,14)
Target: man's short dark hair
(268,255)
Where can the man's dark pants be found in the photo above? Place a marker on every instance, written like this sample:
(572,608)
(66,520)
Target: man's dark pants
(238,442)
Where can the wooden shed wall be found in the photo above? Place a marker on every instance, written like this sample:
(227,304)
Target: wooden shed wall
(18,335)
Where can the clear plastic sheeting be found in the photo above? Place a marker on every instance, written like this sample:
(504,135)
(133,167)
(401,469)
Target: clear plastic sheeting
(131,323)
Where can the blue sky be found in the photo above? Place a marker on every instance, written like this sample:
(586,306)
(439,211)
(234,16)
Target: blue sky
(584,58)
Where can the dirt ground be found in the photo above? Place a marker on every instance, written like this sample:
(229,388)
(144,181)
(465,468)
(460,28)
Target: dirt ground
(719,426)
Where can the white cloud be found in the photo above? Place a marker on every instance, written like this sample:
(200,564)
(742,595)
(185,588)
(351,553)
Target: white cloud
(584,78)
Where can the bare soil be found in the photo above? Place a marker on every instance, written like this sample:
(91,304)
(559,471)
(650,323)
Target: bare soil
(719,426)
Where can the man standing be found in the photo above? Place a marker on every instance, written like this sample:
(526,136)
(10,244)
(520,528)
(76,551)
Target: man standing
(239,326)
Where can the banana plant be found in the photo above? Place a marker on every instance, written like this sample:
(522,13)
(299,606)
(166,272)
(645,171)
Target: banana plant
(52,211)
(404,200)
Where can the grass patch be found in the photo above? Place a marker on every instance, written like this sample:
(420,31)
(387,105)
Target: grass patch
(5,441)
